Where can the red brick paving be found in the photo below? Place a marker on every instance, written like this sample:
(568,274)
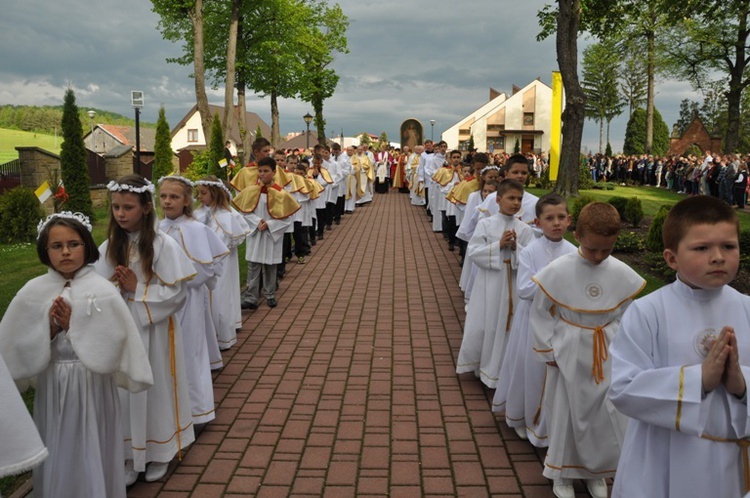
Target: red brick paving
(348,387)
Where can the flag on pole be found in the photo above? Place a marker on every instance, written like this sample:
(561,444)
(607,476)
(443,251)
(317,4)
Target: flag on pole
(223,163)
(44,192)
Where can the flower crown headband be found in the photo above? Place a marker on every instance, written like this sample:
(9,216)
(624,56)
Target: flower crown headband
(113,186)
(219,184)
(79,217)
(489,168)
(178,178)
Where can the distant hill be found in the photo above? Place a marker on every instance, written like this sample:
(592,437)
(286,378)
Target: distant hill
(46,119)
(10,139)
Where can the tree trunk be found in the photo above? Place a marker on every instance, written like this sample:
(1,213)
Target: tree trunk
(568,23)
(609,121)
(601,133)
(736,85)
(234,22)
(242,123)
(650,37)
(320,123)
(199,69)
(274,120)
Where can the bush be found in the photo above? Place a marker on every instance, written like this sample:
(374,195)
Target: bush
(628,242)
(585,181)
(200,166)
(634,211)
(20,213)
(578,204)
(745,250)
(544,182)
(654,242)
(604,186)
(619,203)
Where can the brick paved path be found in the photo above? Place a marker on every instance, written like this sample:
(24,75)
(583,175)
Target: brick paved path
(348,388)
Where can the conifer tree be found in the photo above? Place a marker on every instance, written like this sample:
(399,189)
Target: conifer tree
(163,154)
(73,159)
(216,149)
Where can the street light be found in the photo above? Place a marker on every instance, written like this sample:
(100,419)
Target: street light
(308,119)
(137,101)
(432,130)
(91,114)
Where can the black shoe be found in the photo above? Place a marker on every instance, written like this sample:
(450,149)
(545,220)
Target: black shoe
(246,305)
(451,247)
(338,222)
(329,227)
(320,236)
(271,303)
(313,242)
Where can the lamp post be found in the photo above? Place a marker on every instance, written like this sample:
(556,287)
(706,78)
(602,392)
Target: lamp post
(432,130)
(308,119)
(137,101)
(91,114)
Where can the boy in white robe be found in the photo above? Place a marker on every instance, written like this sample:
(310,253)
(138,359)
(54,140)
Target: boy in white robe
(574,317)
(493,248)
(521,385)
(679,365)
(445,179)
(516,168)
(268,210)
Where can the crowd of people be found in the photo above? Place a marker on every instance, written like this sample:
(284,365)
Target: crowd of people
(723,176)
(120,339)
(651,391)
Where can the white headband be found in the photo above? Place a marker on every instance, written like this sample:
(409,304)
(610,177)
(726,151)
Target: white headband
(219,184)
(113,186)
(79,217)
(489,168)
(178,178)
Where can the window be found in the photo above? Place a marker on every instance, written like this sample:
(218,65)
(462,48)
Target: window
(528,119)
(192,135)
(496,143)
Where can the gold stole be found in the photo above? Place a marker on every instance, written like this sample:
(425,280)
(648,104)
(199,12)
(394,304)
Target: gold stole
(245,177)
(444,175)
(279,202)
(463,190)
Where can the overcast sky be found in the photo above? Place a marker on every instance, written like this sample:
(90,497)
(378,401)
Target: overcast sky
(424,59)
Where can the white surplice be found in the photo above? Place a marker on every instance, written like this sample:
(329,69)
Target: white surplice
(521,384)
(265,247)
(678,444)
(157,423)
(468,271)
(206,251)
(490,311)
(574,317)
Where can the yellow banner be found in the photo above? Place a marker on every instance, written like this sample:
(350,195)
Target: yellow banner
(555,125)
(43,192)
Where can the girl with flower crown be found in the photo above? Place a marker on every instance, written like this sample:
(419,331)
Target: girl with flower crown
(232,229)
(70,333)
(151,271)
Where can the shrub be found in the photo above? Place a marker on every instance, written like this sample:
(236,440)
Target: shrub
(544,182)
(628,242)
(634,211)
(20,213)
(578,204)
(654,242)
(585,181)
(200,166)
(619,203)
(745,250)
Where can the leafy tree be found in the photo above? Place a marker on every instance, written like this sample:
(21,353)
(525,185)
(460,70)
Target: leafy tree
(603,101)
(689,110)
(635,134)
(608,150)
(258,132)
(517,147)
(633,82)
(163,154)
(471,142)
(709,37)
(364,138)
(383,141)
(216,149)
(73,159)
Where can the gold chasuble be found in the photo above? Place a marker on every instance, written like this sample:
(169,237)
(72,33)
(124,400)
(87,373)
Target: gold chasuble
(298,183)
(282,177)
(463,190)
(313,187)
(245,177)
(444,175)
(280,203)
(352,181)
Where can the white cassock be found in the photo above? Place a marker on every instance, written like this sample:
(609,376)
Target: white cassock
(76,374)
(434,162)
(468,271)
(574,317)
(232,229)
(678,444)
(157,423)
(490,311)
(266,247)
(521,384)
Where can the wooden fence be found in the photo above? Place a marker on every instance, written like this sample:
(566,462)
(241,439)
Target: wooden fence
(10,175)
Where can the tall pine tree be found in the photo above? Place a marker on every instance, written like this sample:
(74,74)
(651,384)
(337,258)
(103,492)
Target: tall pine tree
(73,159)
(163,154)
(216,149)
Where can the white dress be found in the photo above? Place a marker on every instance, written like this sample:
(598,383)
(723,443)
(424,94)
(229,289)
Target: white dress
(207,252)
(465,232)
(521,384)
(490,311)
(678,444)
(76,406)
(232,229)
(157,423)
(574,317)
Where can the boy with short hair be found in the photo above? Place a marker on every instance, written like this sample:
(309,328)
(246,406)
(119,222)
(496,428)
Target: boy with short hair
(249,174)
(268,210)
(574,317)
(517,168)
(521,385)
(680,363)
(445,179)
(493,249)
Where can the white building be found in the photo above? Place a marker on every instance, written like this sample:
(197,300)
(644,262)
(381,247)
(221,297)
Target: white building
(523,116)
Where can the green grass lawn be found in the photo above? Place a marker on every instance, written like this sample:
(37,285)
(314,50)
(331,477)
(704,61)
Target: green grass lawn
(10,139)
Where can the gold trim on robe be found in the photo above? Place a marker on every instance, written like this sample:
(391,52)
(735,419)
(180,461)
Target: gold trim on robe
(444,175)
(460,194)
(280,203)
